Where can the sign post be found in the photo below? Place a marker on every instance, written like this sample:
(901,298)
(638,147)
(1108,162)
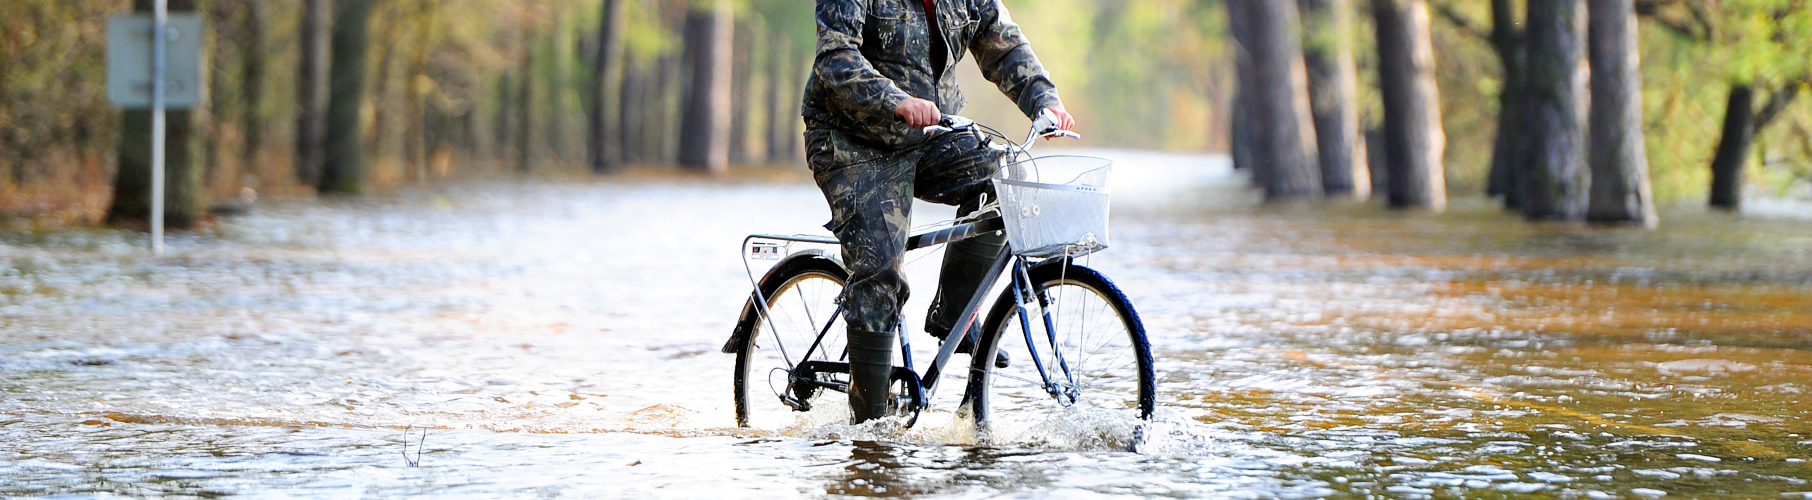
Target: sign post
(172,44)
(159,29)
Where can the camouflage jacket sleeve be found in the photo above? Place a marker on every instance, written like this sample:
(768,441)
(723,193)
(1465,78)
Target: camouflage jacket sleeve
(1006,59)
(841,65)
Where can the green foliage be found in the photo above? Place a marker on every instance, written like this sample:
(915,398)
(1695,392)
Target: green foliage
(1687,66)
(53,95)
(1687,78)
(1761,40)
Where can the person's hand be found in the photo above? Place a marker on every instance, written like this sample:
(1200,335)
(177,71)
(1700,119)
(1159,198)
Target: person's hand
(919,113)
(1064,120)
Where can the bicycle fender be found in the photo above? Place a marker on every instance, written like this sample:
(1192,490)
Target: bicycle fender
(750,313)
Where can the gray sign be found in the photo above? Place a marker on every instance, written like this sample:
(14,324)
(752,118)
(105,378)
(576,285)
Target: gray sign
(129,61)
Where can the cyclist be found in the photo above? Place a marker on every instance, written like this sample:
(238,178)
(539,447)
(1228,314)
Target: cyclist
(885,69)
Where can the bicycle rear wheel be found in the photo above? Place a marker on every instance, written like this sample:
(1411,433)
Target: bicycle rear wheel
(801,295)
(1090,360)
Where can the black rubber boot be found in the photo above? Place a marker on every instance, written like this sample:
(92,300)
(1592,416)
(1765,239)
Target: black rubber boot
(870,364)
(968,345)
(966,262)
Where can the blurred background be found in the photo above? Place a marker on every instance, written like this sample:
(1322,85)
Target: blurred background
(450,88)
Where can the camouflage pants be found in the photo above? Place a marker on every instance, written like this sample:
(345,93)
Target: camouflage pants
(870,191)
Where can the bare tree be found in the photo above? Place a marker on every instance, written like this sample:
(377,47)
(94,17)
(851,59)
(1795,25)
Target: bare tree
(525,106)
(1741,122)
(1280,101)
(1414,141)
(705,133)
(1328,51)
(1620,189)
(311,90)
(1244,143)
(780,115)
(1509,153)
(1557,176)
(604,145)
(741,87)
(635,102)
(343,171)
(252,57)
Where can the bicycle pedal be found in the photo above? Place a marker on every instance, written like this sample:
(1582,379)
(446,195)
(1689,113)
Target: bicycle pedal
(796,403)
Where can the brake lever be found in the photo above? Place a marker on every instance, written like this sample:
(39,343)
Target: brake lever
(1055,133)
(950,123)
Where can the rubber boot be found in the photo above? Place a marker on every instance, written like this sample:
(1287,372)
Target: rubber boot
(966,262)
(870,364)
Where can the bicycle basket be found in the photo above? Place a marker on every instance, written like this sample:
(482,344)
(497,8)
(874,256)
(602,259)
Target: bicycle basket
(1055,205)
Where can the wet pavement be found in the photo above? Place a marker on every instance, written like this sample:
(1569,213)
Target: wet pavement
(543,339)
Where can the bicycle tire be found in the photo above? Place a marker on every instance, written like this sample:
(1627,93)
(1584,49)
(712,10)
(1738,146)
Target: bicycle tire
(757,402)
(1124,384)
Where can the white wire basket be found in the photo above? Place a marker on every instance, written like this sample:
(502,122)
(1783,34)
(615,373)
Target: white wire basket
(1055,205)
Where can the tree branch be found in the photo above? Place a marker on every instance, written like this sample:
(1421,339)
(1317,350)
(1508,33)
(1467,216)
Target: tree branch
(1703,18)
(1698,30)
(1778,101)
(1461,22)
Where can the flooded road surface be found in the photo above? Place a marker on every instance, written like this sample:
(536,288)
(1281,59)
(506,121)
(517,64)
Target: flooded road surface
(537,339)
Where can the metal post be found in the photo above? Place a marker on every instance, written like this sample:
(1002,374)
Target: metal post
(159,28)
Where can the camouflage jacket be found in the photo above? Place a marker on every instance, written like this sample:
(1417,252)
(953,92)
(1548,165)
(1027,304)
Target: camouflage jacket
(872,54)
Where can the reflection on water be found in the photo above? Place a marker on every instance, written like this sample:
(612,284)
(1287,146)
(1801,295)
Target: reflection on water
(562,340)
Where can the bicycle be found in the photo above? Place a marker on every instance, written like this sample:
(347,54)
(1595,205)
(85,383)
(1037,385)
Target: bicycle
(1087,348)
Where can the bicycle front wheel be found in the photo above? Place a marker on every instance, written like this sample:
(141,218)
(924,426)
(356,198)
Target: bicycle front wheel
(1078,351)
(801,323)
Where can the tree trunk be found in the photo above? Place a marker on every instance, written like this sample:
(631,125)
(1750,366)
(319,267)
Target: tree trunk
(705,132)
(311,90)
(343,171)
(1739,135)
(556,138)
(1733,149)
(1244,142)
(670,89)
(251,85)
(1619,157)
(634,99)
(525,106)
(1328,51)
(799,64)
(501,136)
(605,144)
(1557,176)
(221,103)
(1414,141)
(417,124)
(740,88)
(1280,104)
(779,117)
(182,165)
(380,87)
(1509,154)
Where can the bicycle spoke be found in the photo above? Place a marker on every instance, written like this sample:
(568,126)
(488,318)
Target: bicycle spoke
(767,391)
(1087,346)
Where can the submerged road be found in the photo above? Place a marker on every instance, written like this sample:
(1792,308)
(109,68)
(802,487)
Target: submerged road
(542,339)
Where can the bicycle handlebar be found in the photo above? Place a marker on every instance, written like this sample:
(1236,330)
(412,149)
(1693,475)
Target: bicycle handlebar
(1044,126)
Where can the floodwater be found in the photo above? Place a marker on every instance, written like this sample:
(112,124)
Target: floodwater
(543,339)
